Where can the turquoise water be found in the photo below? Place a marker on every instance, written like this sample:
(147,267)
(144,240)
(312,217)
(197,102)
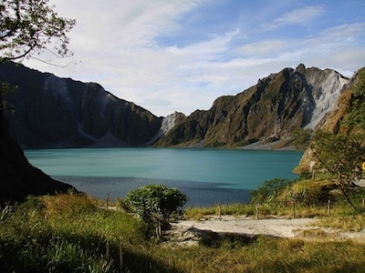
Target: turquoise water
(207,176)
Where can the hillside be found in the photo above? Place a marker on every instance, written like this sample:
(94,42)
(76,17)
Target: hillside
(18,178)
(53,112)
(347,117)
(264,113)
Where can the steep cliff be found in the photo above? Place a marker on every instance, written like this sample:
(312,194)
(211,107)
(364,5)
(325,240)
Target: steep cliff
(347,117)
(58,112)
(266,112)
(18,178)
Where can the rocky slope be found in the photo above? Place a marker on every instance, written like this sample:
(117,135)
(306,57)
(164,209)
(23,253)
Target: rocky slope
(18,178)
(337,121)
(52,112)
(266,112)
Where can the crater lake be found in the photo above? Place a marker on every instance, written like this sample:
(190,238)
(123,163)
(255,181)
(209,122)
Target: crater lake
(206,176)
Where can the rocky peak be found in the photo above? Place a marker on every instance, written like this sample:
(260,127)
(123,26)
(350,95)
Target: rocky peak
(267,111)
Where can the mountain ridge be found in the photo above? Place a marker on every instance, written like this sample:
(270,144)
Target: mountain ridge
(265,112)
(58,112)
(53,112)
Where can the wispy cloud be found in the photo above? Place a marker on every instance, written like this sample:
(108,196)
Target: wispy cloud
(147,52)
(299,16)
(263,48)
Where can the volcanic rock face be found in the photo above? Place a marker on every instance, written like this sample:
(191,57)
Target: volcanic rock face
(327,85)
(57,112)
(266,112)
(335,121)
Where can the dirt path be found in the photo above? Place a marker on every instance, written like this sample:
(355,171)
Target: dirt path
(188,232)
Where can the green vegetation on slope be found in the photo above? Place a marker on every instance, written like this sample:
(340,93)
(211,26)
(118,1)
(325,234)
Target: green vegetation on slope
(356,109)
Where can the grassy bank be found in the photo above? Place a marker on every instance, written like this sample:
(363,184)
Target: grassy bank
(70,233)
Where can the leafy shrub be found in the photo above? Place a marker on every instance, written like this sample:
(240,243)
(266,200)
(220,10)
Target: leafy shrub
(307,192)
(156,204)
(156,201)
(270,190)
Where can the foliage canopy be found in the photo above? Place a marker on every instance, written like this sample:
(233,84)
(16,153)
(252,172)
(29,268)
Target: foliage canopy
(156,202)
(28,26)
(339,154)
(301,138)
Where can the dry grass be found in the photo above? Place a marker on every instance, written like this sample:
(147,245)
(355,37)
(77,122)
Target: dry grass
(69,233)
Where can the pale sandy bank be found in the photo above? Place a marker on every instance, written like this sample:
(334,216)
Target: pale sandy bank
(188,232)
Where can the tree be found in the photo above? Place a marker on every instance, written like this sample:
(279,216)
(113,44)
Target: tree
(341,155)
(28,26)
(156,204)
(301,138)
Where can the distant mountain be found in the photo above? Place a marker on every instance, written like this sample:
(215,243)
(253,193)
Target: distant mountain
(264,113)
(53,112)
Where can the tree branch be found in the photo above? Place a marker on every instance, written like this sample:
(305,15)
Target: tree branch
(25,53)
(16,26)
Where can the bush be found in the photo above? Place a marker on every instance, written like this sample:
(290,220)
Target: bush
(156,204)
(270,190)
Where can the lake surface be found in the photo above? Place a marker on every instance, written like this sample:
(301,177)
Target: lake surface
(207,176)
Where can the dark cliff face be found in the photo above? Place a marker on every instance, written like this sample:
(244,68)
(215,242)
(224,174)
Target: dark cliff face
(266,112)
(56,112)
(18,178)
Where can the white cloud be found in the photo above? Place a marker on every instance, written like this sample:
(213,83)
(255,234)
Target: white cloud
(119,45)
(263,48)
(298,16)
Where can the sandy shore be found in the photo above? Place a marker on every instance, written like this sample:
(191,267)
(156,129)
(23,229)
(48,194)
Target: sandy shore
(188,232)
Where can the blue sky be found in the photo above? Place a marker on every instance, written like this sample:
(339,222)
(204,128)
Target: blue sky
(180,55)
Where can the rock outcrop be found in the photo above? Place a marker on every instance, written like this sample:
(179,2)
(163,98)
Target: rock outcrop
(336,120)
(266,112)
(53,112)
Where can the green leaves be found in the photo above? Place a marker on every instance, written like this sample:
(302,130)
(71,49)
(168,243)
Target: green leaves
(356,117)
(301,138)
(156,201)
(29,26)
(339,154)
(270,190)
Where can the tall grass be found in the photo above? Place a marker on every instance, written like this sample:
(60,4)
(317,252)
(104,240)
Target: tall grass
(234,209)
(64,234)
(286,209)
(70,233)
